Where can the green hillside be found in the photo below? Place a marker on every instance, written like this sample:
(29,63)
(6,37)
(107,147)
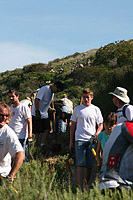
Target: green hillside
(100,69)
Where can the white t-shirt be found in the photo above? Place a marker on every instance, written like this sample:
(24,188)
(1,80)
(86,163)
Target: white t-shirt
(86,118)
(26,102)
(18,120)
(128,113)
(68,103)
(9,145)
(33,113)
(45,95)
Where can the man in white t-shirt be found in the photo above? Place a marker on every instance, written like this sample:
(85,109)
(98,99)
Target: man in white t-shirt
(42,102)
(83,127)
(21,120)
(121,101)
(9,146)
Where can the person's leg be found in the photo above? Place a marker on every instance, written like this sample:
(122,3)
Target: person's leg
(90,160)
(45,130)
(80,161)
(87,175)
(44,137)
(36,129)
(80,177)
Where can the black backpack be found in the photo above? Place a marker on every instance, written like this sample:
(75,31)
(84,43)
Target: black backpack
(124,110)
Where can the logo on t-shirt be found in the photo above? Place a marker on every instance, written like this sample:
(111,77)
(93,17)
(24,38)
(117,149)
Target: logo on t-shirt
(13,113)
(113,160)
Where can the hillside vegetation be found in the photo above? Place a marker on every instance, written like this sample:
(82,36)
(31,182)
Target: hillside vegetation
(100,69)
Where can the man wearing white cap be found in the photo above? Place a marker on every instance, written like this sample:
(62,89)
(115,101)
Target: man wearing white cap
(121,101)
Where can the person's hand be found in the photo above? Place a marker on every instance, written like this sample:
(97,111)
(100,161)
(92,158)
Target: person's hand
(38,114)
(9,180)
(95,138)
(29,141)
(92,140)
(53,110)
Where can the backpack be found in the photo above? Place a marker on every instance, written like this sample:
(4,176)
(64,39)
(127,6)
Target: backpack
(123,110)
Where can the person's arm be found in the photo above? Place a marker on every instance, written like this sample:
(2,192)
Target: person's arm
(99,129)
(29,123)
(38,114)
(72,133)
(17,162)
(37,103)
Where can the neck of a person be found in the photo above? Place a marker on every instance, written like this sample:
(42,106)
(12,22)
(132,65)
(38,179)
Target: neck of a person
(120,104)
(87,105)
(17,103)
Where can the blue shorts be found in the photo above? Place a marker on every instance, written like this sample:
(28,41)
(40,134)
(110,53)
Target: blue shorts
(84,156)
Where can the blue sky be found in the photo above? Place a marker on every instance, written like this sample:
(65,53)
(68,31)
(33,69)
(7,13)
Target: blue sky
(33,31)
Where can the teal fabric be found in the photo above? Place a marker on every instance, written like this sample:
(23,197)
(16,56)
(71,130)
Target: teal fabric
(102,137)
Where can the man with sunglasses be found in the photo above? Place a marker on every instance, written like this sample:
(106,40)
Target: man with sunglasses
(83,127)
(9,146)
(41,121)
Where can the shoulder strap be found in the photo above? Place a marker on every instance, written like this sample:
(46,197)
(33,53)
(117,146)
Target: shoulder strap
(124,110)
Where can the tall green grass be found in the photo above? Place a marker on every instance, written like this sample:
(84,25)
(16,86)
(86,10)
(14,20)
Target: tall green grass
(37,181)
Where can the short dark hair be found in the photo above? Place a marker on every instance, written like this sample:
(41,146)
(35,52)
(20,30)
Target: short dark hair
(110,117)
(59,85)
(13,90)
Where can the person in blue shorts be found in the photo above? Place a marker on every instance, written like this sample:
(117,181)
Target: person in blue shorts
(83,127)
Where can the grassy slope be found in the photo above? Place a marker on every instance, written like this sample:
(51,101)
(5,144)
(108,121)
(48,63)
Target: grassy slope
(35,180)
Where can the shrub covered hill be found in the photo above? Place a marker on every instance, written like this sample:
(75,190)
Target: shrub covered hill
(100,69)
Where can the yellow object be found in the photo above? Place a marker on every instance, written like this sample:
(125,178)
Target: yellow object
(28,98)
(94,153)
(14,189)
(10,185)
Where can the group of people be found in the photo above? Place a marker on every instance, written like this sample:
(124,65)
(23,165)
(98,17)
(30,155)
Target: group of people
(16,127)
(113,146)
(15,134)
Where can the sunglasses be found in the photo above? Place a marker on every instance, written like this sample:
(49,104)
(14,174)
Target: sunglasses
(3,115)
(86,97)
